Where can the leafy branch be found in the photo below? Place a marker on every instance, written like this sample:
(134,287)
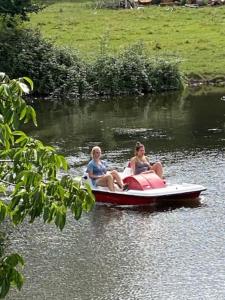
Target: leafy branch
(29,175)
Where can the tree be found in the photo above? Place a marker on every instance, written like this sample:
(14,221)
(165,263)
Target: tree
(20,8)
(29,179)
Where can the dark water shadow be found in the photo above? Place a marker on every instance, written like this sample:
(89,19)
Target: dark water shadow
(49,2)
(104,215)
(161,206)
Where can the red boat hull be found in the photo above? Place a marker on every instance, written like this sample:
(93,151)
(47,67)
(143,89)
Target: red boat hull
(124,199)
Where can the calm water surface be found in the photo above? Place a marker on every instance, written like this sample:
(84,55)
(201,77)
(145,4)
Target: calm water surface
(170,252)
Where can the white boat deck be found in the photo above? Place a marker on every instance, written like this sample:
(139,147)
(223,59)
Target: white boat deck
(169,189)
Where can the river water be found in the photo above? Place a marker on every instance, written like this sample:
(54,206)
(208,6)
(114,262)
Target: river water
(172,252)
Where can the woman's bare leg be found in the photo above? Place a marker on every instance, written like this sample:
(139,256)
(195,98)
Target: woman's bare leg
(106,180)
(157,167)
(117,178)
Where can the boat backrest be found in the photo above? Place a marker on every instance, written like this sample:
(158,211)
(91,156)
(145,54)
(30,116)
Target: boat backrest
(126,172)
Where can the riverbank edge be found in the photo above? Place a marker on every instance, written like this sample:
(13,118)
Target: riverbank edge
(195,80)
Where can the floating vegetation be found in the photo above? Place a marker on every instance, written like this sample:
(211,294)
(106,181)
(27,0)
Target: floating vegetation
(143,133)
(215,130)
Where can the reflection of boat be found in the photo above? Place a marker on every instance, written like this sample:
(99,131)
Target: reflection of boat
(144,1)
(146,189)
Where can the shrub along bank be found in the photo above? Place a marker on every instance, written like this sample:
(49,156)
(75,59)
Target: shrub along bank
(60,73)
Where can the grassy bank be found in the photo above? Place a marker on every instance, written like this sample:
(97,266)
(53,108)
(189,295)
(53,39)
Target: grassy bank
(195,36)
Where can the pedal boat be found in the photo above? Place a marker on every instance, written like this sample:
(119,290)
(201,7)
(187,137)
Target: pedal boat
(144,189)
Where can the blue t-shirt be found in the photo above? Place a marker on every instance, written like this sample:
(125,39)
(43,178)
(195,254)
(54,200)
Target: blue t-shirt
(97,169)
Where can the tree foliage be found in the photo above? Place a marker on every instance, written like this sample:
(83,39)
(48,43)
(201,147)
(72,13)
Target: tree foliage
(58,73)
(20,8)
(29,178)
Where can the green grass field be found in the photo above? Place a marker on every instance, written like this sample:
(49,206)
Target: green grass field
(194,35)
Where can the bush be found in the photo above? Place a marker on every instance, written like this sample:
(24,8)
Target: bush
(55,72)
(164,75)
(58,73)
(133,72)
(19,8)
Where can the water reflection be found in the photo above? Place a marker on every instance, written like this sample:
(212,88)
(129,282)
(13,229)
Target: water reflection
(163,123)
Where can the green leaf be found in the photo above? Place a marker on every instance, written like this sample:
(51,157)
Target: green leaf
(89,198)
(33,115)
(6,135)
(63,162)
(17,217)
(2,188)
(88,188)
(61,191)
(57,160)
(76,207)
(60,217)
(14,202)
(3,211)
(13,260)
(78,180)
(53,210)
(9,276)
(2,119)
(19,259)
(17,279)
(23,113)
(5,89)
(18,132)
(30,113)
(2,76)
(24,88)
(8,116)
(23,138)
(15,121)
(29,81)
(1,90)
(46,213)
(4,287)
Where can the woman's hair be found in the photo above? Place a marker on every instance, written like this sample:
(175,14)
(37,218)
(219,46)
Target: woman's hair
(95,148)
(137,147)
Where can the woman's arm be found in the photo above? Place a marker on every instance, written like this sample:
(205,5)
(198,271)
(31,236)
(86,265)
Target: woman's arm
(132,165)
(93,176)
(148,161)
